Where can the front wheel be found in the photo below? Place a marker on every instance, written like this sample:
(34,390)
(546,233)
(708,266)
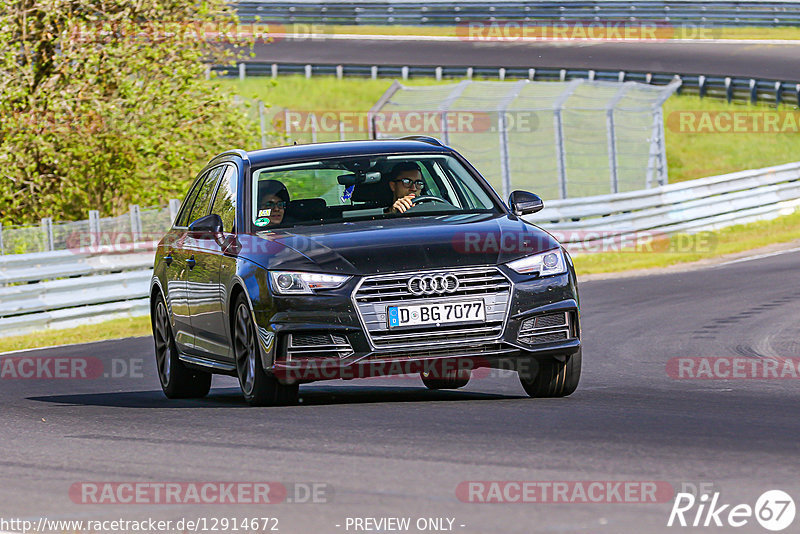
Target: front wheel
(177,380)
(554,378)
(258,387)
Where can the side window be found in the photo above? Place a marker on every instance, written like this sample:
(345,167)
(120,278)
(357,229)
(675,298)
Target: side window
(183,215)
(205,191)
(225,200)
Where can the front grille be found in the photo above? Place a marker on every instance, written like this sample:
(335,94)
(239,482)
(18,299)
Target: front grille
(316,345)
(376,293)
(547,328)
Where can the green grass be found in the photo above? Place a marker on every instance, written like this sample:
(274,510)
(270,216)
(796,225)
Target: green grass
(115,329)
(685,249)
(689,155)
(691,32)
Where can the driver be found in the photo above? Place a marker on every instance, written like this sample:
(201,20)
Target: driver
(405,181)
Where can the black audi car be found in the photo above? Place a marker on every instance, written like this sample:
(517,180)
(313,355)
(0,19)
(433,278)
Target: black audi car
(357,259)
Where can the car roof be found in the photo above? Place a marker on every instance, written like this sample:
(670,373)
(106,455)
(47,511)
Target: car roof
(342,148)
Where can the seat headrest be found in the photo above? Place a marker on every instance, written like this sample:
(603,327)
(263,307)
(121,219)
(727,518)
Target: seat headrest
(306,209)
(378,193)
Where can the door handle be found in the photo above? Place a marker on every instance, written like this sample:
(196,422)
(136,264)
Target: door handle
(191,262)
(168,259)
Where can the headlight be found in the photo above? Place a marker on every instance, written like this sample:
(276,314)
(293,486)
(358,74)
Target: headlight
(544,264)
(294,283)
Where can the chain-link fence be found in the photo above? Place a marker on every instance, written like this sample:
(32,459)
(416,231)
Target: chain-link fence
(138,224)
(559,139)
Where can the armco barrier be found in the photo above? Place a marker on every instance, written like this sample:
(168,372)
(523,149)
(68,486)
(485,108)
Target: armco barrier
(71,289)
(709,12)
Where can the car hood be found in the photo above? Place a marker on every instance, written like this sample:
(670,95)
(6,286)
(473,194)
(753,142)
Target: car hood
(400,244)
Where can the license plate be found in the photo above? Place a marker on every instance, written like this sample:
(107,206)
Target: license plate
(437,313)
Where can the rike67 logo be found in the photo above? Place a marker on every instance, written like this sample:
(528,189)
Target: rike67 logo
(774,510)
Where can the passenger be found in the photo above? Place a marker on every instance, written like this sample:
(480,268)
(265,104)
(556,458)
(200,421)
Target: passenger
(273,197)
(405,181)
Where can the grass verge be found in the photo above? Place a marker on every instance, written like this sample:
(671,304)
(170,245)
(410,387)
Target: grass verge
(301,31)
(114,329)
(703,246)
(690,154)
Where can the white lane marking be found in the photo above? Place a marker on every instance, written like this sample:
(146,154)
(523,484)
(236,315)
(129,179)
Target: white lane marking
(759,256)
(68,345)
(452,38)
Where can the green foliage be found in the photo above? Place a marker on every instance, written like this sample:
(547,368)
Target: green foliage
(101,107)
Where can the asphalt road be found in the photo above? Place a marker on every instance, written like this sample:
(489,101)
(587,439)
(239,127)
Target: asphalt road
(771,61)
(391,448)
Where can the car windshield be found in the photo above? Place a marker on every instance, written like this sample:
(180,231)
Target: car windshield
(365,187)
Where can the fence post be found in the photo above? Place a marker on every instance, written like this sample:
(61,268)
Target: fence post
(373,72)
(470,70)
(94,226)
(136,223)
(308,71)
(339,72)
(438,71)
(501,74)
(242,71)
(611,132)
(621,76)
(561,156)
(274,70)
(262,122)
(404,73)
(701,83)
(753,91)
(505,156)
(531,74)
(47,233)
(174,207)
(778,93)
(728,90)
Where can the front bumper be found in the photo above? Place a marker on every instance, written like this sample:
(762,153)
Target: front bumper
(324,336)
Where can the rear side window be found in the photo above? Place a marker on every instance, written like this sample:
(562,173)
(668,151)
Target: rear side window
(205,190)
(186,209)
(225,200)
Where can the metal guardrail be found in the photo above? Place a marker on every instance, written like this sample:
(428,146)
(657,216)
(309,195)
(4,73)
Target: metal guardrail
(710,13)
(685,207)
(73,289)
(64,288)
(751,90)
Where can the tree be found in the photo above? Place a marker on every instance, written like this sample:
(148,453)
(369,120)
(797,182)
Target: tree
(105,103)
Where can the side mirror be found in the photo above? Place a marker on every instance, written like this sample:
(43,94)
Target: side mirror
(209,226)
(524,203)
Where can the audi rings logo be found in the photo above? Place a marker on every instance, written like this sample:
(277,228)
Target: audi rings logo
(432,284)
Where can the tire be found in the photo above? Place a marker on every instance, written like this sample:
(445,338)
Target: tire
(258,387)
(453,380)
(177,380)
(554,378)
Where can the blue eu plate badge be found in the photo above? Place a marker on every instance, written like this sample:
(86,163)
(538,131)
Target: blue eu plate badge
(394,318)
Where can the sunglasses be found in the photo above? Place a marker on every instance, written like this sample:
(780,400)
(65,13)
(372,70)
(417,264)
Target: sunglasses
(280,204)
(408,181)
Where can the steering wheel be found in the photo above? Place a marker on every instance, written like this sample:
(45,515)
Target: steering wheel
(427,198)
